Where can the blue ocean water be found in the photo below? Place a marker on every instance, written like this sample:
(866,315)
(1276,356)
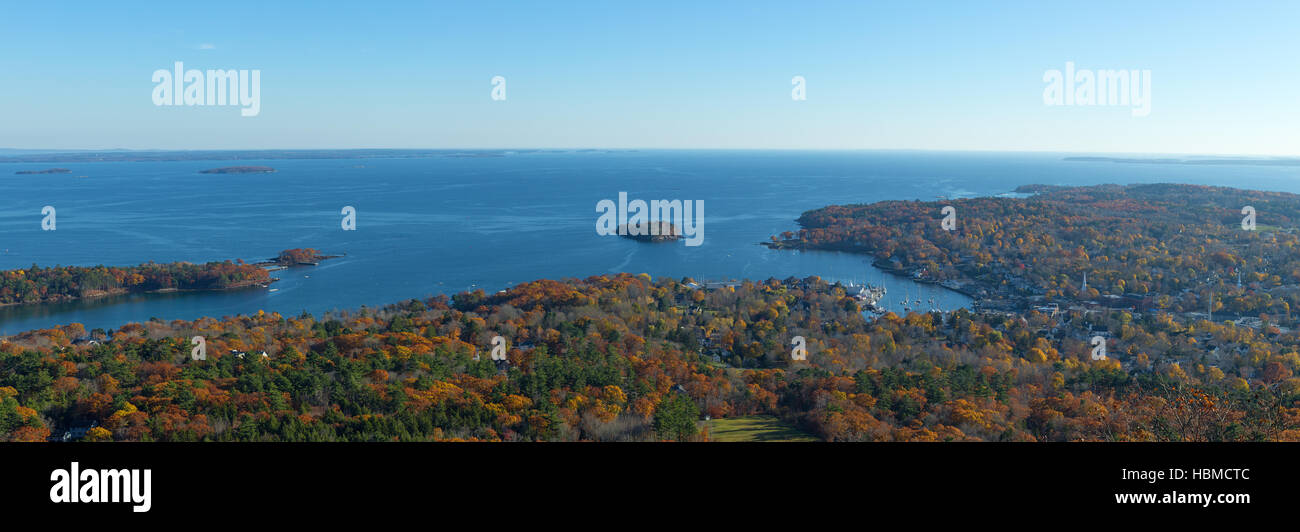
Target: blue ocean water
(445,224)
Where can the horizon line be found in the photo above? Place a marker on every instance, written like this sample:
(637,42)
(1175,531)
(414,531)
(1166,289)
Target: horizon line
(55,151)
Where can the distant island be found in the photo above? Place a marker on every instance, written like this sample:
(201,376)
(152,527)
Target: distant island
(666,233)
(239,170)
(61,157)
(46,171)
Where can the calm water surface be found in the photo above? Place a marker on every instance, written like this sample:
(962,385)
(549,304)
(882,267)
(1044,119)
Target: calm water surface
(442,225)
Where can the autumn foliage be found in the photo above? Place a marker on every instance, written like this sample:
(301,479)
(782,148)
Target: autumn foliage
(624,357)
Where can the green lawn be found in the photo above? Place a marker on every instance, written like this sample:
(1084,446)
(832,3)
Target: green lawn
(755,428)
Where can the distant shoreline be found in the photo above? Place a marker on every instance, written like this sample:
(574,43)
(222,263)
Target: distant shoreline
(1210,161)
(46,171)
(16,155)
(263,155)
(239,170)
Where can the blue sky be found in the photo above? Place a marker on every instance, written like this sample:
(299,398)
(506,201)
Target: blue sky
(958,75)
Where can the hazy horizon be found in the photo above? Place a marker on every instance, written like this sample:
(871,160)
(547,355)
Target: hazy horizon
(56,151)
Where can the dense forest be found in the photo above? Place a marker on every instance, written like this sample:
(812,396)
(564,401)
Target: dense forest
(61,283)
(624,357)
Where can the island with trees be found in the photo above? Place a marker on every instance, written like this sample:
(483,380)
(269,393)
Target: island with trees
(66,283)
(300,257)
(653,231)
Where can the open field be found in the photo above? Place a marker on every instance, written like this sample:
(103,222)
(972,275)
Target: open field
(755,428)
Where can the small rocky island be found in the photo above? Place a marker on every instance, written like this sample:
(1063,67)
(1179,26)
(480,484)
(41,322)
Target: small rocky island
(239,170)
(298,257)
(46,171)
(666,232)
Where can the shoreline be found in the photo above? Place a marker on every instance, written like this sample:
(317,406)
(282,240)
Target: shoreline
(875,263)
